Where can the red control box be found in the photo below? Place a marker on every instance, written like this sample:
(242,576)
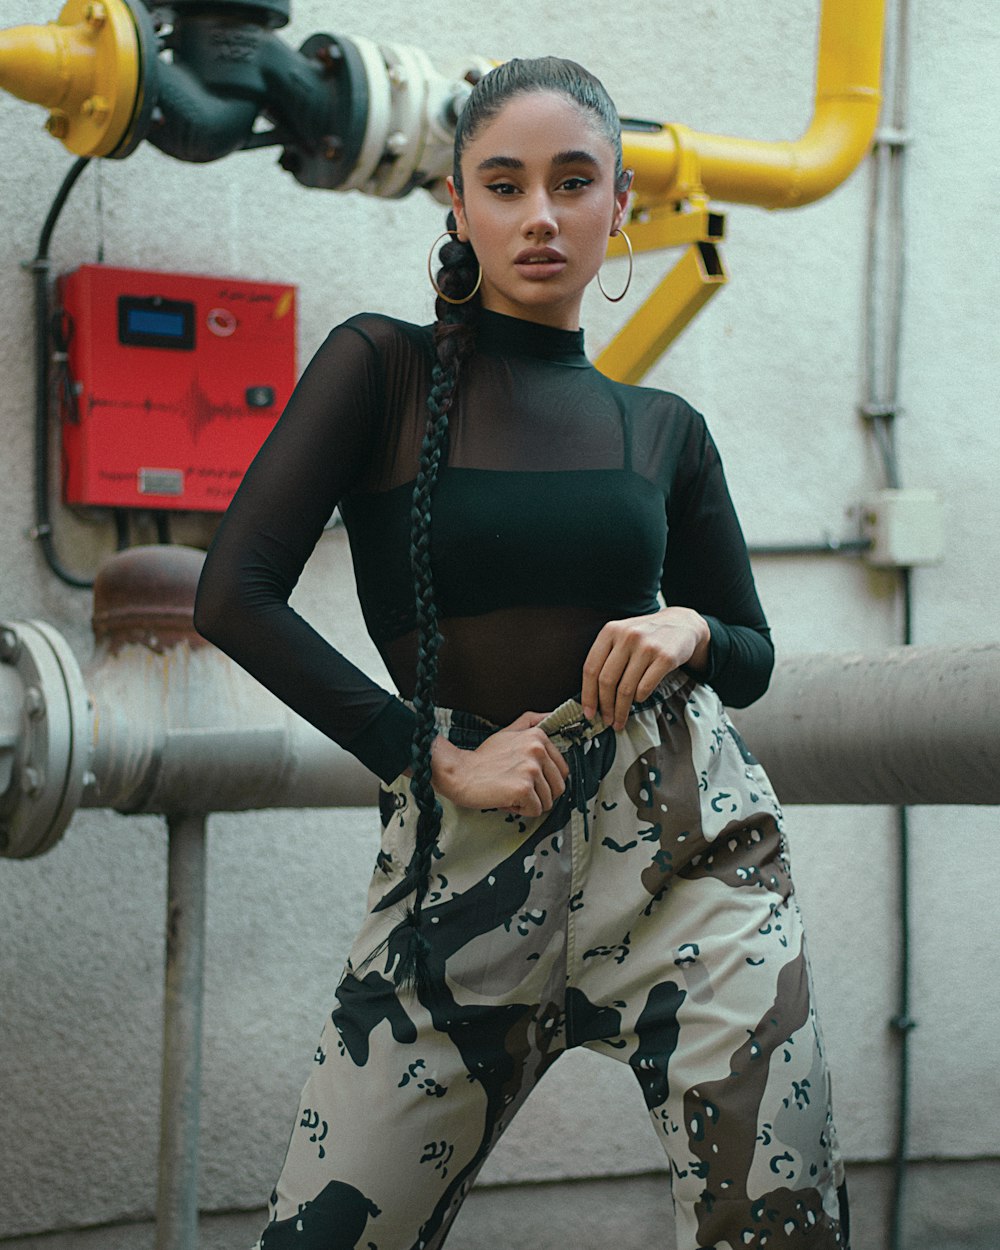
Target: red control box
(174,381)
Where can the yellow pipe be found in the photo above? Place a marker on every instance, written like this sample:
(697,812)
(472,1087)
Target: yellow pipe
(84,68)
(674,163)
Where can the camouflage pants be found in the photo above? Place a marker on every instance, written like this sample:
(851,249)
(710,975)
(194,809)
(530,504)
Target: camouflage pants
(648,916)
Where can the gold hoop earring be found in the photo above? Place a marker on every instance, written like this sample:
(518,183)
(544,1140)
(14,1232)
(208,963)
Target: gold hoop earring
(430,273)
(614,299)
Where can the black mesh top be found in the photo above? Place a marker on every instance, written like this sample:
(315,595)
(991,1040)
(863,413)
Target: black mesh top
(567,500)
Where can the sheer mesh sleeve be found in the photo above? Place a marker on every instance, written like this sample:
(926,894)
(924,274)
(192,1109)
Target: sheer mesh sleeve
(320,446)
(707,568)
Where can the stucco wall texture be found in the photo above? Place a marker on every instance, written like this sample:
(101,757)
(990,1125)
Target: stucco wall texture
(775,363)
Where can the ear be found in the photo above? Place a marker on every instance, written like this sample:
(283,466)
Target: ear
(458,208)
(622,200)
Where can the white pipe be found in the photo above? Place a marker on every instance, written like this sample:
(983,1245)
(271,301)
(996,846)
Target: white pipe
(182,729)
(906,725)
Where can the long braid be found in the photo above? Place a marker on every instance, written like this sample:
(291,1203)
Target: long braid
(454,339)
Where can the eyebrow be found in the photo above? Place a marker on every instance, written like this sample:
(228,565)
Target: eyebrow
(574,156)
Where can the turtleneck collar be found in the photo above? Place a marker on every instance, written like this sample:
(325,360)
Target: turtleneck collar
(498,333)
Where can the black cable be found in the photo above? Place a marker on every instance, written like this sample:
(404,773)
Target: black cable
(123,539)
(61,329)
(162,522)
(62,195)
(42,530)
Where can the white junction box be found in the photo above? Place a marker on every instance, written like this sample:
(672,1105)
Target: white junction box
(906,528)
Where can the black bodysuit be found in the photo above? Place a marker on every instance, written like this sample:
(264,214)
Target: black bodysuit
(567,500)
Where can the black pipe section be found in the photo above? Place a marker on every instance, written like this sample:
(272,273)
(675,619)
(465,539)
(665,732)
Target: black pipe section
(193,121)
(227,68)
(42,530)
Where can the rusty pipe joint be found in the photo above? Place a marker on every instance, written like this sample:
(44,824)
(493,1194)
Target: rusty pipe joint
(157,721)
(177,727)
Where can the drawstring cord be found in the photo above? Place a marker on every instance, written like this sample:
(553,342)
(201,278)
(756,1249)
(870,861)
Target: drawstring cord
(576,732)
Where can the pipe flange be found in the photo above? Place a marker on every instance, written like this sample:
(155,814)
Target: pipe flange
(147,89)
(331,164)
(44,738)
(99,52)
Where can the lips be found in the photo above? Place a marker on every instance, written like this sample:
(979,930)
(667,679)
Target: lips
(539,262)
(538,256)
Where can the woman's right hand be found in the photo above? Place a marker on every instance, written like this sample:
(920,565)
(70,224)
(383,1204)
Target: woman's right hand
(517,769)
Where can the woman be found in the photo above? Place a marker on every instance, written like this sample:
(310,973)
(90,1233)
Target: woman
(604,870)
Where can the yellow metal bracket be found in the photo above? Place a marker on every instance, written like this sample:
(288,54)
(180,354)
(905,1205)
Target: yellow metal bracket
(672,226)
(682,293)
(84,67)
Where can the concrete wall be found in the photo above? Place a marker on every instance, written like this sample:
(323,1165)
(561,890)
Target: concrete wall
(775,364)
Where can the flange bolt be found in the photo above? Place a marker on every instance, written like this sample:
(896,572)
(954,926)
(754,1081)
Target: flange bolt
(34,702)
(10,646)
(57,124)
(32,781)
(95,106)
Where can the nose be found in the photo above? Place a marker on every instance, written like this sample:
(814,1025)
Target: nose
(540,221)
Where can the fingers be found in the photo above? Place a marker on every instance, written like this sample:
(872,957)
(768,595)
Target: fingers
(592,667)
(603,670)
(640,678)
(553,765)
(626,662)
(546,775)
(525,766)
(555,770)
(527,720)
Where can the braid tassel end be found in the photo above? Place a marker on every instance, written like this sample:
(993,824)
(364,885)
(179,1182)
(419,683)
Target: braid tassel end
(412,972)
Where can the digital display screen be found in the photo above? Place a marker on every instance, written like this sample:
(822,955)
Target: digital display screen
(152,321)
(149,321)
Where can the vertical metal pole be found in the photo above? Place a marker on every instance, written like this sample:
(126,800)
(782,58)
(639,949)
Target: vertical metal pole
(177,1195)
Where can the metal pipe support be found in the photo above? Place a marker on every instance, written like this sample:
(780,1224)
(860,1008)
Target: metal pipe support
(180,1093)
(673,303)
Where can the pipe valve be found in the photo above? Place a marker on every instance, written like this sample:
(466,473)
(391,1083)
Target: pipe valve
(203,78)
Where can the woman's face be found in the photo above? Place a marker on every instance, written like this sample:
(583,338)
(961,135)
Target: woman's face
(538,205)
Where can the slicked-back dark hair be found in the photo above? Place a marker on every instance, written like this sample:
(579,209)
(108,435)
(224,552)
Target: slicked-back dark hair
(544,73)
(454,337)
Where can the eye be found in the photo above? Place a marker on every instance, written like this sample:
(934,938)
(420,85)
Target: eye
(501,188)
(576,183)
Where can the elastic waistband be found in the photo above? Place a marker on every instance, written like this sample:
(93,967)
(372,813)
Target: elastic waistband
(566,723)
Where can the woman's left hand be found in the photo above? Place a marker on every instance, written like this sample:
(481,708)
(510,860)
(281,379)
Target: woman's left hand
(631,657)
